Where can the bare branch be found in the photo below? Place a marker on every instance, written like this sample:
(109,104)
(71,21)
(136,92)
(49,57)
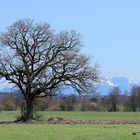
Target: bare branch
(38,61)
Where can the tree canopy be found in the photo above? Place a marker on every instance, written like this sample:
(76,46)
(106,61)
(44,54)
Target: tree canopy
(39,61)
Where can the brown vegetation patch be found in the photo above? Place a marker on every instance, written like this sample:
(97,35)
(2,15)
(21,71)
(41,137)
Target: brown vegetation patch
(60,120)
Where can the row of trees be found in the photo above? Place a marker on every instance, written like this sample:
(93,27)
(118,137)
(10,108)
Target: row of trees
(129,101)
(112,102)
(10,102)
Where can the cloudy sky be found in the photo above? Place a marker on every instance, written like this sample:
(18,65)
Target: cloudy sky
(110,28)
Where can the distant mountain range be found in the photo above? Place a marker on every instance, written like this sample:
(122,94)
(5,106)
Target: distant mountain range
(103,88)
(122,82)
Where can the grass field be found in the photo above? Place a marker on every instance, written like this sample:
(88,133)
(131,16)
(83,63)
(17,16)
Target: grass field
(11,115)
(71,132)
(95,115)
(68,132)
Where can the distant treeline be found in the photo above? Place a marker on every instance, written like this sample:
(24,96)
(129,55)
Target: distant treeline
(112,102)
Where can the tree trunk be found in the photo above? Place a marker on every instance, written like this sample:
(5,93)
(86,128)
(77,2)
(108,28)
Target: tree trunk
(27,111)
(114,107)
(30,112)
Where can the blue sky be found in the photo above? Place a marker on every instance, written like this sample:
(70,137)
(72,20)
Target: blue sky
(110,28)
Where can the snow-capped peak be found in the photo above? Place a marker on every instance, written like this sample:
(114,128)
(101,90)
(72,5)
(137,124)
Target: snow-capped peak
(123,83)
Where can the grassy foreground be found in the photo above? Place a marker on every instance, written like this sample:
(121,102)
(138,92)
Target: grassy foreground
(71,132)
(68,132)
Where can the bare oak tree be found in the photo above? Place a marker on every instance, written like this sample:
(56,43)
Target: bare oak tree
(39,61)
(134,100)
(113,98)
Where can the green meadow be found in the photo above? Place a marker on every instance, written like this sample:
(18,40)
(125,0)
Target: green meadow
(71,132)
(68,132)
(81,115)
